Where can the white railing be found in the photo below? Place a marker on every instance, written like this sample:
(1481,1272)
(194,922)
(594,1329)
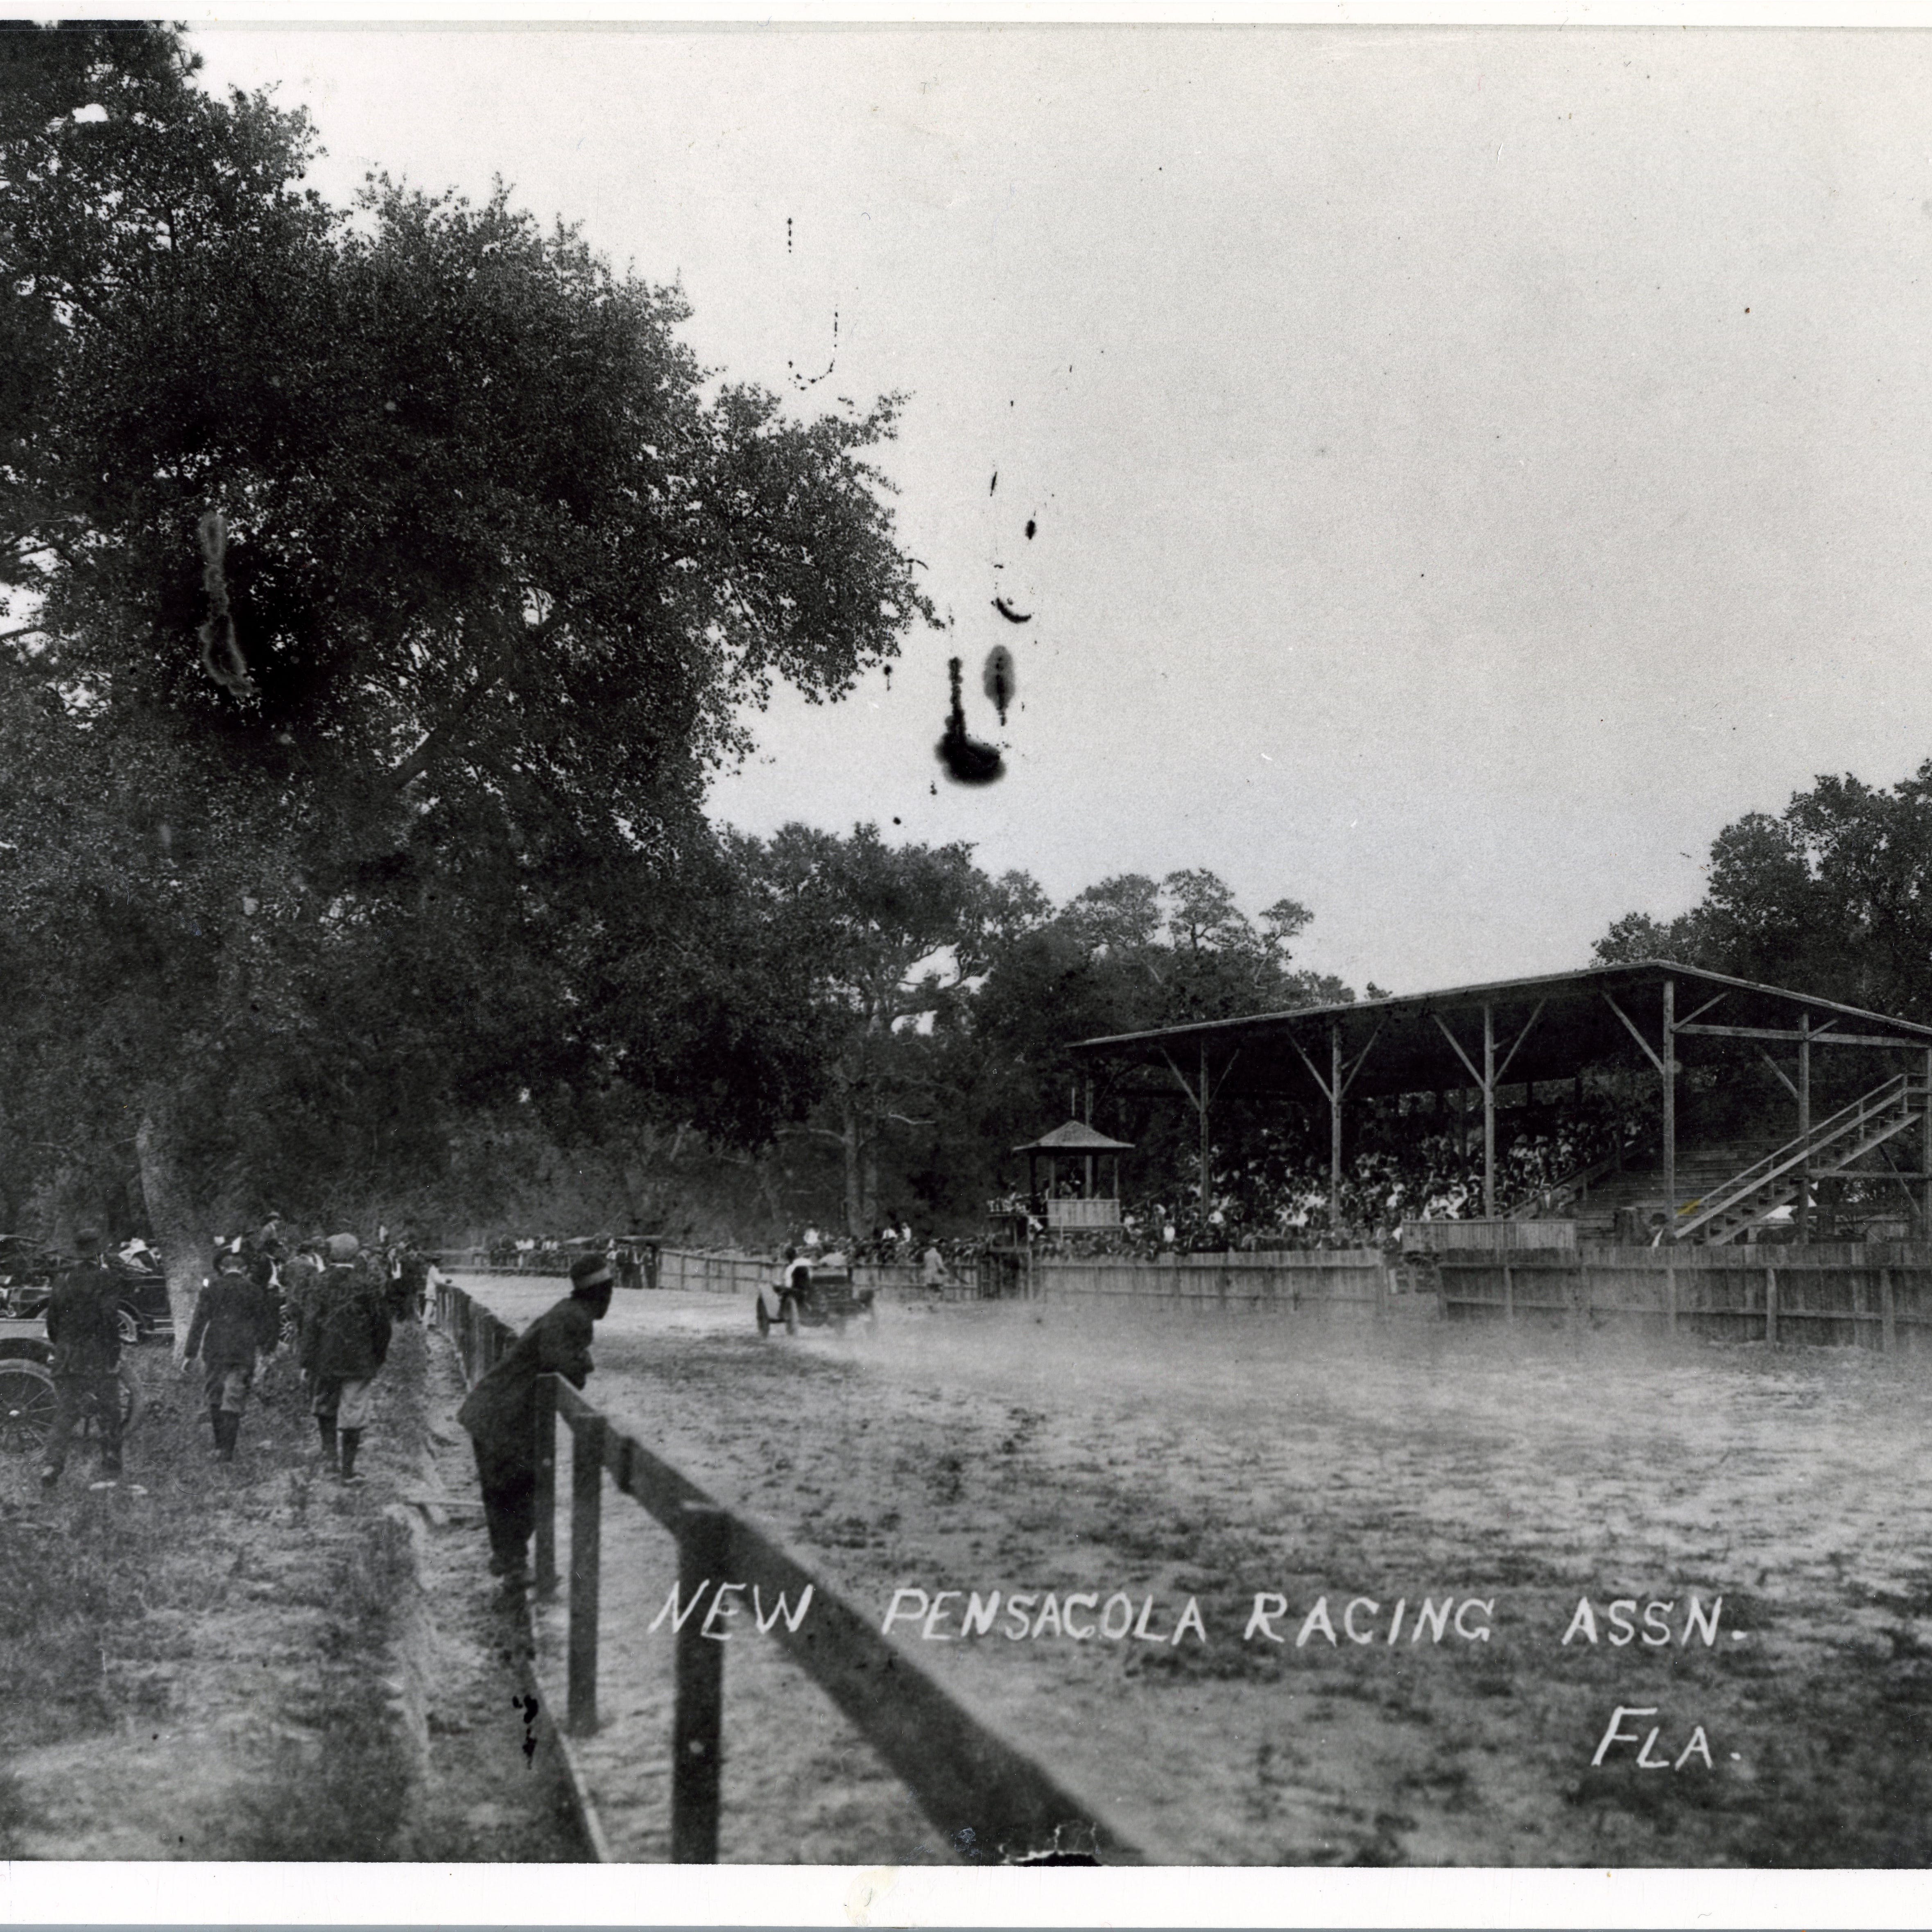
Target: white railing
(1083,1213)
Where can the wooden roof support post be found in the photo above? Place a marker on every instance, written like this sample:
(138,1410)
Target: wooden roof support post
(1805,1124)
(1334,1124)
(1925,1145)
(1485,1083)
(1489,1111)
(1667,1069)
(1206,1176)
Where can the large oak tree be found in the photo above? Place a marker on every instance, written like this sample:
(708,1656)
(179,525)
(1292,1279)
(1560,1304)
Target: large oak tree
(380,587)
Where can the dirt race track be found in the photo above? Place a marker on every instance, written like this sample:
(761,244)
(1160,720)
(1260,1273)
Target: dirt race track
(1124,1453)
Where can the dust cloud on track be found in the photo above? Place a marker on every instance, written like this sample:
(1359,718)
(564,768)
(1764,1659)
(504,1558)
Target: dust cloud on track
(1136,1453)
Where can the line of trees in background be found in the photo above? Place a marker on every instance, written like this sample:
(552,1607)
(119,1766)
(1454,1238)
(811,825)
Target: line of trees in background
(378,590)
(380,587)
(1832,896)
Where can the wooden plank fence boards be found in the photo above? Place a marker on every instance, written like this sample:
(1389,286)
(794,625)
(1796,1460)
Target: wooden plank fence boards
(1333,1276)
(1875,1295)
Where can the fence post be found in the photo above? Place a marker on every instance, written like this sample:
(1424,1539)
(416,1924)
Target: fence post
(546,1446)
(1771,1305)
(1888,1330)
(1670,1298)
(587,1537)
(704,1551)
(1509,1292)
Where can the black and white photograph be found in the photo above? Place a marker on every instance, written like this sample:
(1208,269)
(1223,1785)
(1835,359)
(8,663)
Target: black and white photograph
(935,944)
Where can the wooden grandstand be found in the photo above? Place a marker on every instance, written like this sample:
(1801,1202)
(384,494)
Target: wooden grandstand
(1655,1017)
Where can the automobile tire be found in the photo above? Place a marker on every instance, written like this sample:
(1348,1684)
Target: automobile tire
(790,1316)
(127,1325)
(764,1320)
(26,1407)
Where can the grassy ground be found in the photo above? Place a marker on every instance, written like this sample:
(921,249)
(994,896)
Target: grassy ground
(208,1662)
(1209,1456)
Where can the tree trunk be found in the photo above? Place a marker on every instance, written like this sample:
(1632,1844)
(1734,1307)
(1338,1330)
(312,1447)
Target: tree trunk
(848,1136)
(869,1186)
(182,1225)
(768,1186)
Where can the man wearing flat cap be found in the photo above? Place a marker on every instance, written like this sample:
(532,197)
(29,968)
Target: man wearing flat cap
(345,1341)
(82,1326)
(500,1414)
(235,1321)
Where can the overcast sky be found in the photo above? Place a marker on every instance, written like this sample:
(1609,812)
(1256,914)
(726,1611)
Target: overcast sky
(1468,467)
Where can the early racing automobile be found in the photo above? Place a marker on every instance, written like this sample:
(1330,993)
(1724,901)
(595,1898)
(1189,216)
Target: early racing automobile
(814,1297)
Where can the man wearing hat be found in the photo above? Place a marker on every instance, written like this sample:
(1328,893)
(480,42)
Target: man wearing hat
(82,1326)
(345,1341)
(500,1413)
(235,1319)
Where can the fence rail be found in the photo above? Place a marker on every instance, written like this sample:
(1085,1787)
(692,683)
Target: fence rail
(959,1771)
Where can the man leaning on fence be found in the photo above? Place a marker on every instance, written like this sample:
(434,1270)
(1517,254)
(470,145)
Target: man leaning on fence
(83,1326)
(500,1413)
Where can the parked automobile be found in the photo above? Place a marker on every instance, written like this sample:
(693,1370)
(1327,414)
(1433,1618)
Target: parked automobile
(27,1272)
(26,1387)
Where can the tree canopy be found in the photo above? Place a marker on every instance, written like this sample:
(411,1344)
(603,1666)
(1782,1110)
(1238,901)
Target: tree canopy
(1832,896)
(380,586)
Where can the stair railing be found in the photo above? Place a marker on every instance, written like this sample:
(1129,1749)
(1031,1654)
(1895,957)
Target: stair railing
(1547,1200)
(1795,1152)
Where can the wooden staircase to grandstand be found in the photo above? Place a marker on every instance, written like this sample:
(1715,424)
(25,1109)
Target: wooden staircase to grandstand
(1629,1198)
(1723,1188)
(1833,1146)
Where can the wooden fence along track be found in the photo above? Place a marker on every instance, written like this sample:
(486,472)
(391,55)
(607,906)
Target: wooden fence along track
(1872,1295)
(698,1271)
(1338,1277)
(961,1773)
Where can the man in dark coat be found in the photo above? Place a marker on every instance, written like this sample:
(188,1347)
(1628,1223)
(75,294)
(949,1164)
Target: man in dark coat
(500,1414)
(235,1319)
(345,1342)
(81,1325)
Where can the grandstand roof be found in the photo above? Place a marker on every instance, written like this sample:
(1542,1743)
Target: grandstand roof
(1547,1027)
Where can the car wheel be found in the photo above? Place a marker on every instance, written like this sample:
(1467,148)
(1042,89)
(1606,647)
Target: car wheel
(26,1407)
(790,1316)
(127,1326)
(764,1320)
